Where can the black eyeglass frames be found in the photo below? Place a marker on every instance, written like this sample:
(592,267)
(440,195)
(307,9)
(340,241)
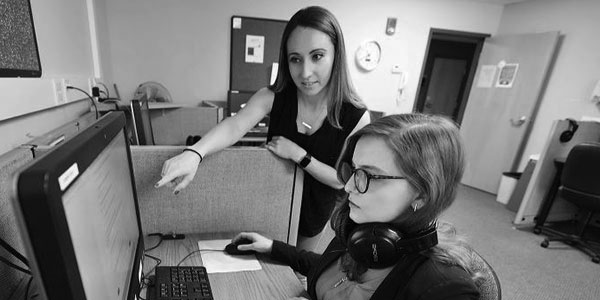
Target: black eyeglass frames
(362,178)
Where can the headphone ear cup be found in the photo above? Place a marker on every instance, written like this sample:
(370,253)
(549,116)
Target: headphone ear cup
(566,136)
(374,246)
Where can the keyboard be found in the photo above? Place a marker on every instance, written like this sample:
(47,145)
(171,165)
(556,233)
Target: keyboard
(182,283)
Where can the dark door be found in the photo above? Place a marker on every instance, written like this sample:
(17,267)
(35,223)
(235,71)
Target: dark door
(450,64)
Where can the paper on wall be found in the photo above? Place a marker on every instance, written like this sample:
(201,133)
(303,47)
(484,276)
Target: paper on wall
(486,76)
(255,48)
(221,262)
(507,75)
(236,23)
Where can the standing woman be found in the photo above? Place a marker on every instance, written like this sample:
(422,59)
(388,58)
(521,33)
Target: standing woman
(313,109)
(401,172)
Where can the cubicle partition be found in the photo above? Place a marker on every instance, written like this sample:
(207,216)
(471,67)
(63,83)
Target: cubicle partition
(12,282)
(172,124)
(237,189)
(545,172)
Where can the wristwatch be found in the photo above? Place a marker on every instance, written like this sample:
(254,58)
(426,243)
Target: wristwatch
(305,161)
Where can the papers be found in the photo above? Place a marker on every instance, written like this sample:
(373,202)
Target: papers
(487,73)
(255,49)
(221,262)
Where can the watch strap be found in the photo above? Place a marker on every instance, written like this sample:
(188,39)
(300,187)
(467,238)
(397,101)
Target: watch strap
(305,161)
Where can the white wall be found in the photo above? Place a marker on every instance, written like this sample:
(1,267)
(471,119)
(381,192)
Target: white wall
(64,44)
(577,66)
(184,44)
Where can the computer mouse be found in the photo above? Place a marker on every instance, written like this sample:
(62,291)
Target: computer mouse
(232,249)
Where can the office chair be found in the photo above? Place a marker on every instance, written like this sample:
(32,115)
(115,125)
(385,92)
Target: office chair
(580,185)
(488,284)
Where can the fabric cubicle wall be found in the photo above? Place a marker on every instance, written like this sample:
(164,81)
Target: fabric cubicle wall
(237,189)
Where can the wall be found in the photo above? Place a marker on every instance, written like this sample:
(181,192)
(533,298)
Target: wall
(64,44)
(577,66)
(184,44)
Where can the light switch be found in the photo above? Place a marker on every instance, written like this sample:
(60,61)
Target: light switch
(390,27)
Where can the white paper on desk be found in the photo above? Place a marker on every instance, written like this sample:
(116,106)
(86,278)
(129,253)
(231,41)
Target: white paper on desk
(221,262)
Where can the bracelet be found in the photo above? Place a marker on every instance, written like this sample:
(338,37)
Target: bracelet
(192,150)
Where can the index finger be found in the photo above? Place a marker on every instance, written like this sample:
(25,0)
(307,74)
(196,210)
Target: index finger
(165,179)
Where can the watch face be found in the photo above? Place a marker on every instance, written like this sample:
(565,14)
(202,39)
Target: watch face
(368,55)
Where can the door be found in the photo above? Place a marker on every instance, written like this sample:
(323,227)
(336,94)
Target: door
(497,120)
(449,69)
(442,96)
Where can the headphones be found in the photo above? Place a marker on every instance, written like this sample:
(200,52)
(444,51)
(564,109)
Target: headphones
(378,245)
(567,135)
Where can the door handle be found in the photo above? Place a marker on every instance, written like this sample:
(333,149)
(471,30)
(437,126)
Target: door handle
(518,122)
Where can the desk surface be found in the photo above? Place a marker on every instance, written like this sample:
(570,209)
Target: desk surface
(274,281)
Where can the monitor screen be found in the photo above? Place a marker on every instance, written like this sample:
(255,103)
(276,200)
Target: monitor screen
(78,208)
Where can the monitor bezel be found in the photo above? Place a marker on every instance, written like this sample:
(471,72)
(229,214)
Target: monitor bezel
(38,204)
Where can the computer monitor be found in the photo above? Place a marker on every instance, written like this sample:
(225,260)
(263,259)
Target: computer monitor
(142,125)
(77,210)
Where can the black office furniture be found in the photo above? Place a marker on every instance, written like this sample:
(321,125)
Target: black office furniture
(546,205)
(142,124)
(580,185)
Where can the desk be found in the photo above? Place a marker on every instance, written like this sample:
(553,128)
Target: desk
(274,281)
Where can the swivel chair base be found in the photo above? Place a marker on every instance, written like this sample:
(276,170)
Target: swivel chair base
(584,246)
(575,240)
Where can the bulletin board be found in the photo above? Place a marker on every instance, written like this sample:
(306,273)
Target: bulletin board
(255,46)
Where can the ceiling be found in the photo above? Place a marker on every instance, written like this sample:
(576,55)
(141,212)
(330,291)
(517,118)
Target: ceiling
(501,2)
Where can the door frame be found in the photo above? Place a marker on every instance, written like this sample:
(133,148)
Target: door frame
(454,36)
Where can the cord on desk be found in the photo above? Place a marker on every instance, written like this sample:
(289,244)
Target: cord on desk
(16,254)
(145,280)
(107,92)
(27,290)
(196,251)
(108,99)
(158,261)
(24,260)
(160,236)
(86,93)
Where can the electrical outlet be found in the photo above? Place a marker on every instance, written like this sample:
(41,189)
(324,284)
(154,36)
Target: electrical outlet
(60,90)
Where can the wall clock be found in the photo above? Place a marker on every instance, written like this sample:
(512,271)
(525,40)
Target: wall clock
(368,55)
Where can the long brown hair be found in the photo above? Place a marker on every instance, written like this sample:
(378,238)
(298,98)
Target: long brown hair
(339,87)
(429,151)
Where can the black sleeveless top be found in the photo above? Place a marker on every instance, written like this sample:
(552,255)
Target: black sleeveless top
(325,145)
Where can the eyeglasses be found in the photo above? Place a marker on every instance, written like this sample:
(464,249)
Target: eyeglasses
(361,177)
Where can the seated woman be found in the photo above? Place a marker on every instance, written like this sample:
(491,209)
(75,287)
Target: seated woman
(400,173)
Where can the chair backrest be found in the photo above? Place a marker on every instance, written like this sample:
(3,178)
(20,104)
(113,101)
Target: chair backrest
(581,171)
(488,284)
